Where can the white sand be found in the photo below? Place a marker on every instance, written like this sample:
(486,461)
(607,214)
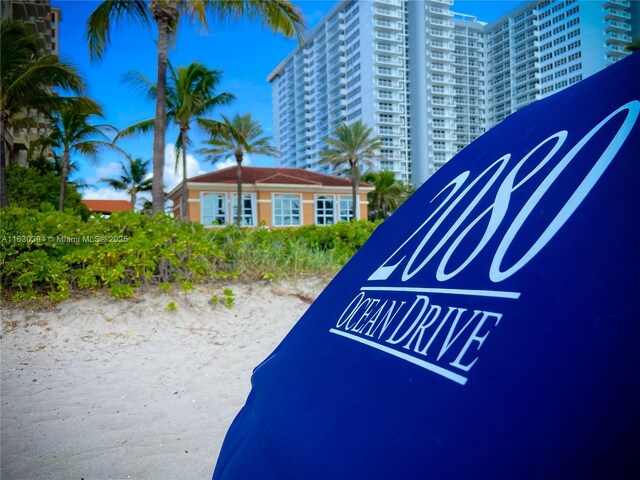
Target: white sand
(111,389)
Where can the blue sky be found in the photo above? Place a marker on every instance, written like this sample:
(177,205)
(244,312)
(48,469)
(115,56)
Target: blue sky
(245,52)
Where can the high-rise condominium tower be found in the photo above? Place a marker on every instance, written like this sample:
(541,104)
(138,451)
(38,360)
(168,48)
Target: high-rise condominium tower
(430,80)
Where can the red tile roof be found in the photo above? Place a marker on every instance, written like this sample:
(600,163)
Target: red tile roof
(266,175)
(108,206)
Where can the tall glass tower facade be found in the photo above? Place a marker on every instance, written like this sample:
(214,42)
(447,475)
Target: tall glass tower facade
(429,80)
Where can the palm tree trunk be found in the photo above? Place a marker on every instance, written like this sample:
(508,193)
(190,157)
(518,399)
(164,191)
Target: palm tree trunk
(354,190)
(133,198)
(185,191)
(4,194)
(160,125)
(239,177)
(63,178)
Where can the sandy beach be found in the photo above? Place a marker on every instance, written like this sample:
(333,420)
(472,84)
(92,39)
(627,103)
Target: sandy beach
(102,389)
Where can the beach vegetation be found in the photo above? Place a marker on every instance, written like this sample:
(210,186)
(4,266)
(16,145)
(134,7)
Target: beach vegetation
(387,196)
(37,188)
(171,306)
(229,297)
(53,254)
(186,286)
(121,291)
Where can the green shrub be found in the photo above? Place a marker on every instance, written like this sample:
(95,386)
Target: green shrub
(51,253)
(171,306)
(37,189)
(121,291)
(228,297)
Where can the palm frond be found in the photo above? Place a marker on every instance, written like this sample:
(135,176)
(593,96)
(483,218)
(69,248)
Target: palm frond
(139,128)
(98,30)
(113,183)
(37,77)
(141,83)
(280,16)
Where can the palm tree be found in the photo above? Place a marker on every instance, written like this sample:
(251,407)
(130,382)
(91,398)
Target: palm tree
(71,133)
(235,137)
(352,146)
(387,195)
(133,179)
(190,94)
(26,83)
(279,15)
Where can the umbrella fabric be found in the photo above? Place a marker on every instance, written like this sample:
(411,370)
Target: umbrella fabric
(490,328)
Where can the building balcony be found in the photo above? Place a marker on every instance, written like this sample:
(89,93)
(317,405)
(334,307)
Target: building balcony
(617,38)
(389,61)
(437,45)
(441,79)
(385,24)
(462,34)
(617,51)
(389,121)
(392,133)
(613,26)
(386,13)
(443,12)
(441,102)
(440,90)
(619,3)
(387,85)
(394,109)
(338,71)
(440,34)
(391,145)
(388,49)
(388,73)
(469,102)
(442,57)
(442,114)
(444,148)
(616,14)
(334,87)
(460,72)
(444,137)
(443,124)
(436,67)
(390,37)
(385,98)
(438,22)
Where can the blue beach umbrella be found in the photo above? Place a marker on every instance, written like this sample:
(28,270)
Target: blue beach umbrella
(488,329)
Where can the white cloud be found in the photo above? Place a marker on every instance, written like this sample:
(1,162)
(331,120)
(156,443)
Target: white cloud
(104,193)
(170,176)
(231,162)
(111,170)
(173,178)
